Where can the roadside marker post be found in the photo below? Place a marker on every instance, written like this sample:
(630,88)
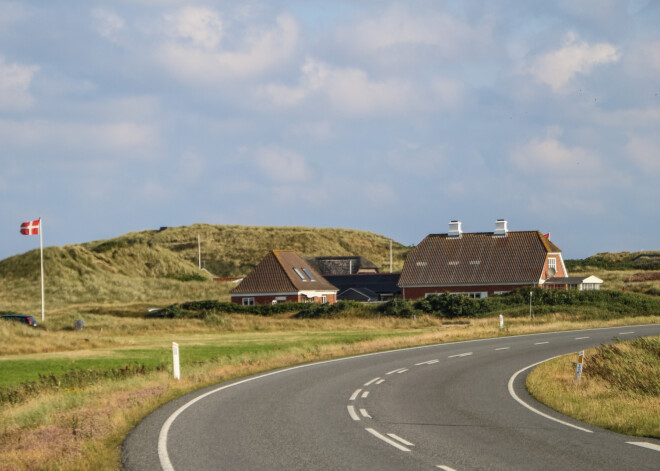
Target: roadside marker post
(501,321)
(578,369)
(175,359)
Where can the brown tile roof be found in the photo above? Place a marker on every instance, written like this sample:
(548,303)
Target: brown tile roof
(276,273)
(477,258)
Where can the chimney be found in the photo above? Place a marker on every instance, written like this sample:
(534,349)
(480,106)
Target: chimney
(455,229)
(500,228)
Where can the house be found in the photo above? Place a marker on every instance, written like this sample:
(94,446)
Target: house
(283,276)
(480,264)
(347,265)
(580,283)
(367,287)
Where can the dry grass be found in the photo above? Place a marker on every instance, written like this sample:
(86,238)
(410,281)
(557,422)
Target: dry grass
(84,428)
(597,399)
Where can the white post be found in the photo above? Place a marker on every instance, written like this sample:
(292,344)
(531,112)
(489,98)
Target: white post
(530,306)
(199,252)
(175,360)
(41,247)
(578,369)
(501,321)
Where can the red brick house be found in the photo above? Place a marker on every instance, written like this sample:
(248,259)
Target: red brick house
(283,276)
(480,264)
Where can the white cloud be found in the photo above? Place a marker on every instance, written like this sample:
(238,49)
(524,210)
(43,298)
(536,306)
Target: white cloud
(201,25)
(349,90)
(108,24)
(398,26)
(15,80)
(280,164)
(557,68)
(449,93)
(645,152)
(204,61)
(549,155)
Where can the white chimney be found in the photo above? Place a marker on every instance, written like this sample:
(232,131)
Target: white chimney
(455,229)
(500,228)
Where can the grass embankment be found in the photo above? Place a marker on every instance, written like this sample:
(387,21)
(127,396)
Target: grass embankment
(619,388)
(82,425)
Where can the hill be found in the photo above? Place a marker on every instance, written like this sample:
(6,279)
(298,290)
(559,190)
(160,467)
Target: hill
(645,260)
(160,267)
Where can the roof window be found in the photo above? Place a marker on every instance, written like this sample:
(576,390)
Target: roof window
(300,274)
(309,275)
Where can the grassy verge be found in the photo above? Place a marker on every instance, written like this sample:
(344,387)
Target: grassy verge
(81,426)
(619,388)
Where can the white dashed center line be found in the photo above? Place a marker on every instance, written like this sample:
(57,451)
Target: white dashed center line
(460,355)
(387,440)
(581,338)
(626,333)
(503,348)
(398,438)
(446,468)
(380,381)
(430,362)
(371,382)
(650,446)
(398,370)
(355,394)
(541,343)
(351,412)
(365,394)
(365,413)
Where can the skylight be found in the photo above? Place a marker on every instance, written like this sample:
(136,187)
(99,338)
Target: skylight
(309,275)
(300,274)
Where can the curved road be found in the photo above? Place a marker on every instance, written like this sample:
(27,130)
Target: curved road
(455,406)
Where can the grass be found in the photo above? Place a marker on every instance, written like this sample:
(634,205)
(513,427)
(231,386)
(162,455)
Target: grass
(619,388)
(82,426)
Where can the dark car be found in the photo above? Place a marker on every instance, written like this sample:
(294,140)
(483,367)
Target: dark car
(28,320)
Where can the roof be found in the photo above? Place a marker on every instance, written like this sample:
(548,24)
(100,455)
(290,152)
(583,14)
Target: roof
(356,294)
(477,258)
(279,272)
(344,265)
(380,283)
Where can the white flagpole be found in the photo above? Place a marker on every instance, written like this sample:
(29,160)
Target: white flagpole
(41,246)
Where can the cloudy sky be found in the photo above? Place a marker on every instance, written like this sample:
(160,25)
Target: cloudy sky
(393,117)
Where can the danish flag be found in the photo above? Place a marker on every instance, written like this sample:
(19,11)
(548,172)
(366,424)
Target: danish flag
(31,227)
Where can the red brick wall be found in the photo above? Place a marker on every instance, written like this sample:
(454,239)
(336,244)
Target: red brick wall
(418,293)
(560,273)
(291,298)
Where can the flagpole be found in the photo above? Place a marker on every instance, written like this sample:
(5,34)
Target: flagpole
(41,246)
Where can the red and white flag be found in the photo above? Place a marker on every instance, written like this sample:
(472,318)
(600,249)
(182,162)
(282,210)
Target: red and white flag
(31,227)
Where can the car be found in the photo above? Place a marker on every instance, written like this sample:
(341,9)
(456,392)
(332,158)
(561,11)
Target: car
(28,320)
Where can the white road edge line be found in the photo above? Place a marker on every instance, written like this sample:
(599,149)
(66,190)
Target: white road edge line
(399,439)
(371,382)
(355,394)
(650,446)
(446,468)
(164,457)
(581,338)
(365,394)
(352,413)
(515,396)
(365,413)
(386,440)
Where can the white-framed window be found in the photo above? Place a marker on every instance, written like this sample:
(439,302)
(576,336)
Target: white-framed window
(499,293)
(324,299)
(473,295)
(280,299)
(552,263)
(248,301)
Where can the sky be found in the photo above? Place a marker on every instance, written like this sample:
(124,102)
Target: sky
(394,117)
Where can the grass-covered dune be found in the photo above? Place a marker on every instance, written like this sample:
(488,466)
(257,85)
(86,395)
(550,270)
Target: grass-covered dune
(160,267)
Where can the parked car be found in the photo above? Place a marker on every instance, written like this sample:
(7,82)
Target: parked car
(28,320)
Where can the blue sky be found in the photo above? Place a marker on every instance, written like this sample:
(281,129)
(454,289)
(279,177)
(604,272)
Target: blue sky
(393,117)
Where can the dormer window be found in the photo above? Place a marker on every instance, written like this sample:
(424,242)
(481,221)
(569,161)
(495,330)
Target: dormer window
(552,264)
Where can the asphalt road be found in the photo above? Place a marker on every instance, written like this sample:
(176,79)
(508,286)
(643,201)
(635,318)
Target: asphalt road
(457,406)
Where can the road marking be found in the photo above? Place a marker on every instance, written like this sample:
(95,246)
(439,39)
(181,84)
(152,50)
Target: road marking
(446,468)
(398,370)
(581,338)
(365,394)
(460,355)
(650,446)
(398,438)
(541,343)
(380,382)
(355,394)
(430,362)
(515,396)
(626,333)
(402,371)
(503,348)
(371,382)
(365,413)
(387,440)
(351,412)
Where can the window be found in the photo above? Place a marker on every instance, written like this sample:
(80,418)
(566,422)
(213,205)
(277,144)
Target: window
(248,301)
(300,274)
(309,275)
(552,264)
(324,299)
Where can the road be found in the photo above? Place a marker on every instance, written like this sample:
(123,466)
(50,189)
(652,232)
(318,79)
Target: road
(458,406)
